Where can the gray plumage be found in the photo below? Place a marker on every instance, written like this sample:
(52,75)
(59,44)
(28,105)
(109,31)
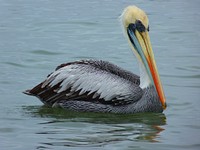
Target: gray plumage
(96,86)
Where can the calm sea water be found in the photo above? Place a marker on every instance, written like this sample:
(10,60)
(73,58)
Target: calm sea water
(36,36)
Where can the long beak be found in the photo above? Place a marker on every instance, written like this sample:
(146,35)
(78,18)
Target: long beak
(142,45)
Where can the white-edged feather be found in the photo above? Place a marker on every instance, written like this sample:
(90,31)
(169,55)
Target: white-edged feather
(87,79)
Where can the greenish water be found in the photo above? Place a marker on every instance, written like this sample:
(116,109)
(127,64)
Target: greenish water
(36,36)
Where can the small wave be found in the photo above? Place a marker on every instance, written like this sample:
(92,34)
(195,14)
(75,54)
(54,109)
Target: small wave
(86,23)
(183,76)
(45,52)
(15,64)
(183,86)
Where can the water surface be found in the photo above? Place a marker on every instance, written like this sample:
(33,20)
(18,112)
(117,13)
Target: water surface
(36,36)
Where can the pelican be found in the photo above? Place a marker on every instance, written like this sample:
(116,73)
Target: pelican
(100,86)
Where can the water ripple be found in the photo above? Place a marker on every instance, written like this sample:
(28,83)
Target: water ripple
(183,86)
(183,76)
(75,129)
(45,52)
(16,64)
(64,115)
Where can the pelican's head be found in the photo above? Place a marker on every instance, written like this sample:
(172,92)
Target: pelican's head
(136,26)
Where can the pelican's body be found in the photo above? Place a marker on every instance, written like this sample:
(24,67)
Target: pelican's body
(99,86)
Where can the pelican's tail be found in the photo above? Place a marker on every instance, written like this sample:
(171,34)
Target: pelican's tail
(27,92)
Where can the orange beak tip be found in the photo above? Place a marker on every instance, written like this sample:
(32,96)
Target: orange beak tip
(164,106)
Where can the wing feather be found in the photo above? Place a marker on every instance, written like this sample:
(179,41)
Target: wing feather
(85,81)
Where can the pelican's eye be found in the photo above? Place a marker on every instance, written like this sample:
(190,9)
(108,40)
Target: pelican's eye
(139,26)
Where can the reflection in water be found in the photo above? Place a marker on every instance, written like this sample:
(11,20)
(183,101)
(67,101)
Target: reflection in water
(95,129)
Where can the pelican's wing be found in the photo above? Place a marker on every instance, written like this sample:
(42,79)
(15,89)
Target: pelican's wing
(85,81)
